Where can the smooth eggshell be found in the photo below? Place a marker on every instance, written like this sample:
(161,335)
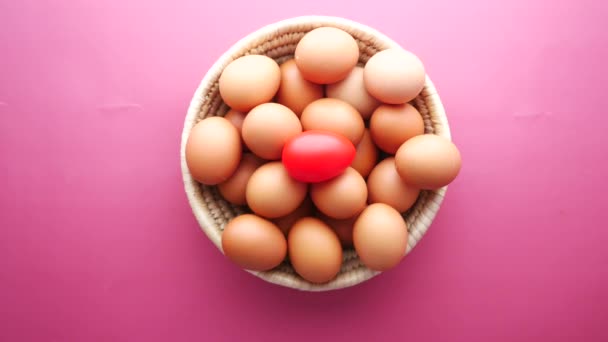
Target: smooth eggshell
(316,156)
(213,150)
(236,118)
(267,127)
(392,125)
(335,116)
(254,243)
(233,189)
(394,76)
(366,155)
(249,81)
(343,228)
(352,90)
(341,197)
(295,92)
(384,185)
(326,55)
(314,250)
(428,161)
(272,193)
(286,222)
(380,237)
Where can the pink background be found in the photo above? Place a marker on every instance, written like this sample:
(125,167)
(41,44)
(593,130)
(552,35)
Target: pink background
(98,243)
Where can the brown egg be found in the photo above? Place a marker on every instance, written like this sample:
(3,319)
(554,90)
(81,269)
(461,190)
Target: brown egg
(314,250)
(335,116)
(286,222)
(343,228)
(272,193)
(249,81)
(384,185)
(352,90)
(236,118)
(428,161)
(367,155)
(326,55)
(267,127)
(295,92)
(341,197)
(213,150)
(391,125)
(254,243)
(380,237)
(233,189)
(394,76)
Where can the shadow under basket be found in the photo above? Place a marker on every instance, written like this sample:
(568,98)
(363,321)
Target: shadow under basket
(278,41)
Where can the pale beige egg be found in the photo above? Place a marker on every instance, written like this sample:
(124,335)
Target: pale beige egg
(249,81)
(394,76)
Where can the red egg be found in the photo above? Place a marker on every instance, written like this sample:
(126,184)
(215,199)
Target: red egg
(316,156)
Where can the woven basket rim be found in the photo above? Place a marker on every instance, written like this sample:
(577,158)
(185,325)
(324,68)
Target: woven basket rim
(193,188)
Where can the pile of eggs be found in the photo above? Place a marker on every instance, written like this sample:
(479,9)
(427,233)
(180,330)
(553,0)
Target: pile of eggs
(324,153)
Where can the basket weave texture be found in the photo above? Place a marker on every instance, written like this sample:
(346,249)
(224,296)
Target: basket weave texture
(278,41)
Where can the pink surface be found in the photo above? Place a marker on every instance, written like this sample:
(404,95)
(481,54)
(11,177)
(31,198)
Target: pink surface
(98,243)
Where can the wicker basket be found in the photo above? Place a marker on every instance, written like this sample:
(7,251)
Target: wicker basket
(278,41)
